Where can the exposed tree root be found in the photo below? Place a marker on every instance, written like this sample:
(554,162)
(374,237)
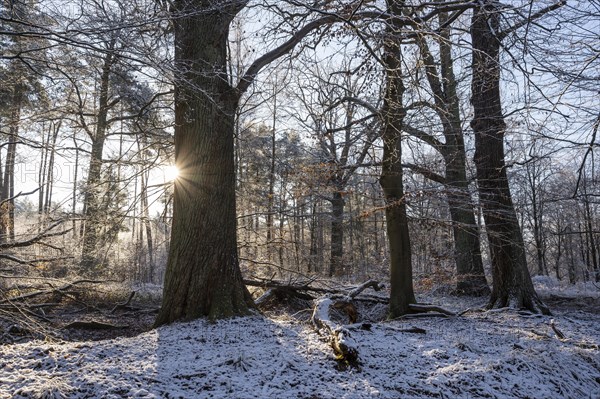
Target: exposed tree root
(523,301)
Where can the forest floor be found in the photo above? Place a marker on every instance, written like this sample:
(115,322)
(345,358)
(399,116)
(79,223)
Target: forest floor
(479,354)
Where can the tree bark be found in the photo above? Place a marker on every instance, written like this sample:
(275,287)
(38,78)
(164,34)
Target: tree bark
(336,267)
(7,209)
(588,216)
(271,195)
(49,179)
(512,283)
(467,253)
(89,256)
(149,272)
(203,277)
(401,283)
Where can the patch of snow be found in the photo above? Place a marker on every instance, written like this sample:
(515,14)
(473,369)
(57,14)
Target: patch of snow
(548,285)
(478,355)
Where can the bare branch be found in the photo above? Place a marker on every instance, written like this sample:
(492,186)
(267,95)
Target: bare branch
(45,234)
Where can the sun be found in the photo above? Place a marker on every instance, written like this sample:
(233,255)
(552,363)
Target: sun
(171,173)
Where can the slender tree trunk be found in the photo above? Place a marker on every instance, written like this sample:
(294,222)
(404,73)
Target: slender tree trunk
(42,173)
(512,283)
(146,220)
(536,215)
(75,176)
(282,202)
(298,210)
(15,124)
(7,208)
(336,266)
(271,196)
(401,279)
(312,254)
(467,253)
(50,167)
(350,239)
(569,251)
(203,276)
(2,205)
(90,257)
(591,239)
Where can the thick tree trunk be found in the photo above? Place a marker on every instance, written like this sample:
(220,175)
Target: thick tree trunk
(203,277)
(512,283)
(470,275)
(401,283)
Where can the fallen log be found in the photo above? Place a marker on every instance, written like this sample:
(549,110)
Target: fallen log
(301,286)
(300,289)
(345,348)
(369,284)
(340,339)
(417,307)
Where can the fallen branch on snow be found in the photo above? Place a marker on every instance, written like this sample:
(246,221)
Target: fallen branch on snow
(340,338)
(417,307)
(343,345)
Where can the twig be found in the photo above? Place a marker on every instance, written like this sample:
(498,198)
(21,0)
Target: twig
(558,333)
(413,330)
(32,261)
(44,234)
(124,304)
(420,316)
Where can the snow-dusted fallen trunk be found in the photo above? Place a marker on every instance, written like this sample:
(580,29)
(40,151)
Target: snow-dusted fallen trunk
(344,346)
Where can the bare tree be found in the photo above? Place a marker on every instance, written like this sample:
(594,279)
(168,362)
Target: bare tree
(512,281)
(393,113)
(204,278)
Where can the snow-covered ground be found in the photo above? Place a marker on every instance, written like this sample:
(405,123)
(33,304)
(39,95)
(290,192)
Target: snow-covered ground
(495,354)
